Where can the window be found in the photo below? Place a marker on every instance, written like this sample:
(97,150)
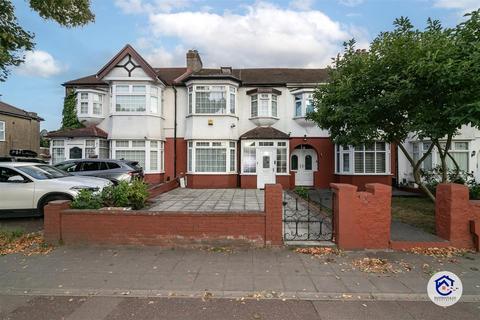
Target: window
(210,99)
(58,151)
(308,162)
(2,130)
(6,175)
(419,149)
(215,156)
(459,151)
(281,160)
(233,90)
(90,103)
(190,100)
(89,148)
(149,155)
(103,149)
(132,155)
(370,158)
(294,162)
(303,104)
(133,98)
(263,105)
(249,157)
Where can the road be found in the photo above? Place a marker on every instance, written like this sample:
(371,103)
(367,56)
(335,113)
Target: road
(122,308)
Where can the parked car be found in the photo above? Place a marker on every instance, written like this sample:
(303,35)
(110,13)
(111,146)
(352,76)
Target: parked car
(22,159)
(17,155)
(26,187)
(113,170)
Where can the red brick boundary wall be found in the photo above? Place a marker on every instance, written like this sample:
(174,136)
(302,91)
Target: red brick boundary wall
(457,219)
(110,227)
(362,219)
(157,190)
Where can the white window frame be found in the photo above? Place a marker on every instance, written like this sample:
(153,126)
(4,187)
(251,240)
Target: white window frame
(271,99)
(228,145)
(306,97)
(453,149)
(88,147)
(142,145)
(151,93)
(258,145)
(58,144)
(91,102)
(3,131)
(349,151)
(229,91)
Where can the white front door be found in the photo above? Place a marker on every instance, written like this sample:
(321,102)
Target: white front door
(265,166)
(304,162)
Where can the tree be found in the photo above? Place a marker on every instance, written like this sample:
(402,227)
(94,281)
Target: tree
(14,40)
(424,84)
(69,113)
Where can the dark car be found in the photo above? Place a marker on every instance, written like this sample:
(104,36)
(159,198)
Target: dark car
(113,170)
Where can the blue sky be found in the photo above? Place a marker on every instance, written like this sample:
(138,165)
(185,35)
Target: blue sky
(290,33)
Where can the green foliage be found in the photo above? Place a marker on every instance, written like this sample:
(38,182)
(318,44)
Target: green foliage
(87,199)
(433,178)
(9,235)
(69,113)
(410,81)
(14,40)
(124,194)
(302,192)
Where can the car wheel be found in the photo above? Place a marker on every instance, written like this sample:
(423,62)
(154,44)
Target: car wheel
(48,199)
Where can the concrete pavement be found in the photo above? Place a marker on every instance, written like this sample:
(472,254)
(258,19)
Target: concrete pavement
(268,273)
(122,308)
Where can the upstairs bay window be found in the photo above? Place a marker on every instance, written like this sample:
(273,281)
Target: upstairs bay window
(137,98)
(263,105)
(211,99)
(368,159)
(90,103)
(212,156)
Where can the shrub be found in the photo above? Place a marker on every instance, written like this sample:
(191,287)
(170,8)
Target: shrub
(434,176)
(132,195)
(87,199)
(302,192)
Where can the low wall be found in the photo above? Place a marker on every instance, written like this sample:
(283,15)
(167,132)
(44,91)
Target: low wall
(362,219)
(157,190)
(257,228)
(457,218)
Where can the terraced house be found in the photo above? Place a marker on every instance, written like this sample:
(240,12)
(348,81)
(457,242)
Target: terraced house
(220,127)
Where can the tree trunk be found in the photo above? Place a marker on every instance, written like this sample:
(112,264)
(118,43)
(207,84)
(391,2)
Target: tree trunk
(443,157)
(416,169)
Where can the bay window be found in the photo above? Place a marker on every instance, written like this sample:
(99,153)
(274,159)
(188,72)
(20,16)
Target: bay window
(137,98)
(263,105)
(148,154)
(372,158)
(459,150)
(419,149)
(58,151)
(211,99)
(212,156)
(90,103)
(90,148)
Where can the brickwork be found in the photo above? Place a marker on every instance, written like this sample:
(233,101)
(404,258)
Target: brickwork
(362,219)
(455,215)
(157,190)
(166,228)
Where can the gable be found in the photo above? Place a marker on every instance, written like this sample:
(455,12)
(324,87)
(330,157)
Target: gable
(127,64)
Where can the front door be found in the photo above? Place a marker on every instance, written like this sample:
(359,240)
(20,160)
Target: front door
(265,167)
(304,162)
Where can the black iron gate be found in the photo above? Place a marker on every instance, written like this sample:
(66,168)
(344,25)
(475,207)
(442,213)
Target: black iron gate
(304,220)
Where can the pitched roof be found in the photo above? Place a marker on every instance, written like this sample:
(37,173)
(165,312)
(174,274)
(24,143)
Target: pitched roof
(263,76)
(10,110)
(92,131)
(264,133)
(127,51)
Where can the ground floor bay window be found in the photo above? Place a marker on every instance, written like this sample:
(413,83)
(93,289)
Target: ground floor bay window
(459,150)
(367,159)
(78,148)
(148,153)
(212,157)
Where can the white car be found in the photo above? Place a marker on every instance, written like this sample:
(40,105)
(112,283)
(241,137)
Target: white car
(25,188)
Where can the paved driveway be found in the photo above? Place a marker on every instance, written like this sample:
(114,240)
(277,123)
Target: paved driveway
(210,200)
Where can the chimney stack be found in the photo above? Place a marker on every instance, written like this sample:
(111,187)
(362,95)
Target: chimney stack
(194,62)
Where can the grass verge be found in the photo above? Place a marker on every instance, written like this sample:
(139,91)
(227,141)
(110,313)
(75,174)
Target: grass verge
(417,212)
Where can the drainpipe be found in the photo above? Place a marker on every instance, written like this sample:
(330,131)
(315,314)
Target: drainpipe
(175,133)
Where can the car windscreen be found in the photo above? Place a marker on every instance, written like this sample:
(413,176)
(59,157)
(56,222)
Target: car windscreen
(43,172)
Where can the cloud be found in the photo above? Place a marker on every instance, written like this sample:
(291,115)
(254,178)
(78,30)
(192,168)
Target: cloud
(461,5)
(302,5)
(40,64)
(264,35)
(350,3)
(163,57)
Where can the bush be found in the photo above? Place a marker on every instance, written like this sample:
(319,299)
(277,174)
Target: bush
(87,199)
(434,176)
(132,195)
(302,192)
